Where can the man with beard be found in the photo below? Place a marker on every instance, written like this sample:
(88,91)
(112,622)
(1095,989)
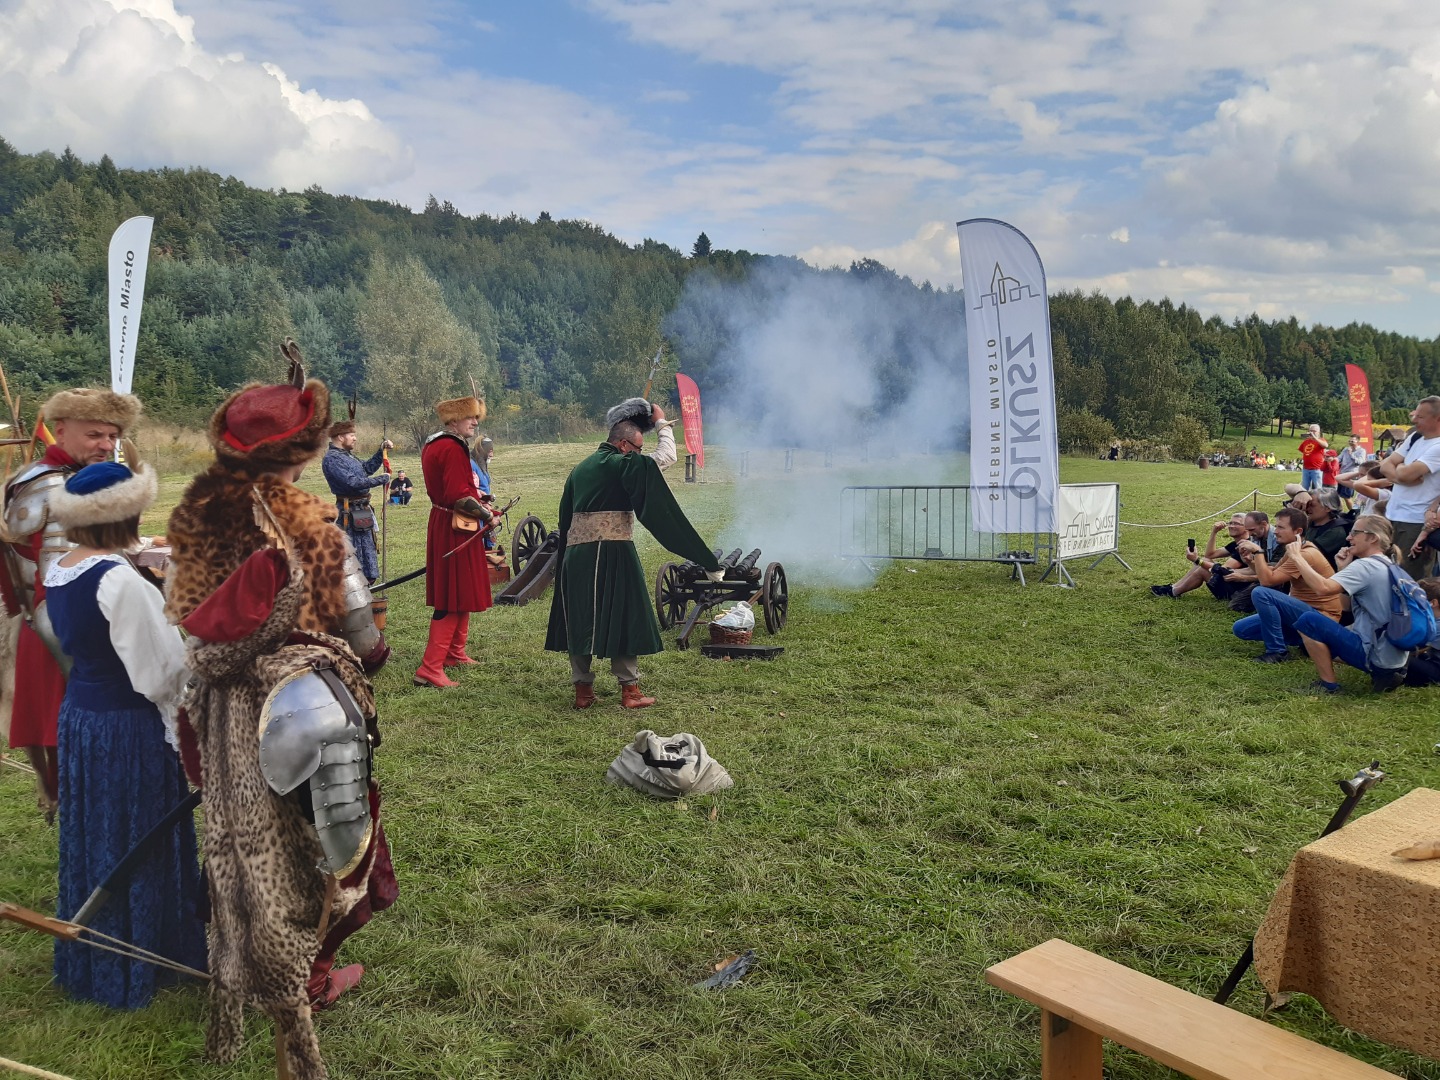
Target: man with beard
(87,425)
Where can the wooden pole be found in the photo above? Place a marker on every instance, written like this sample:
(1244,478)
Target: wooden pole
(29,1070)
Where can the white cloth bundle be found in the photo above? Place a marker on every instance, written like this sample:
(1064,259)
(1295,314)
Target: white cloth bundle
(668,768)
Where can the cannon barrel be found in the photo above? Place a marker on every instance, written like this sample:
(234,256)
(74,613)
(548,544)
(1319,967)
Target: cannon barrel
(748,563)
(729,561)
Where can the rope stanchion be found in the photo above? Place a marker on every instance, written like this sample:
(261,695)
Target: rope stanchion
(1207,517)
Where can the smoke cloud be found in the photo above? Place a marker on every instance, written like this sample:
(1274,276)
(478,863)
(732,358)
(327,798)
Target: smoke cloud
(859,375)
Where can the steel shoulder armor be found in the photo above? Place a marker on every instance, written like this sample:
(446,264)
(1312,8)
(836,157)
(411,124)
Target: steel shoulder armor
(27,513)
(358,626)
(311,730)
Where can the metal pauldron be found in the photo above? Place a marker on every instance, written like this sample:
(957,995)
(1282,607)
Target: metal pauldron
(309,732)
(358,626)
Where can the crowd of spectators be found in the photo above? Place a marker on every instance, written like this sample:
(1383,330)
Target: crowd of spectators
(1318,577)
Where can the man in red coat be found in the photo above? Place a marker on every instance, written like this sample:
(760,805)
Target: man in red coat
(457,585)
(87,424)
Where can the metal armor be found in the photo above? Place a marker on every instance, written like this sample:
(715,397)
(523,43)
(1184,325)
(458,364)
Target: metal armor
(358,627)
(311,730)
(27,512)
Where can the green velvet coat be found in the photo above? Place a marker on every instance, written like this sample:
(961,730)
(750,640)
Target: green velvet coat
(602,604)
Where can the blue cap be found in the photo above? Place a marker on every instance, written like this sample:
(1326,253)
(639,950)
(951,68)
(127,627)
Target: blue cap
(93,478)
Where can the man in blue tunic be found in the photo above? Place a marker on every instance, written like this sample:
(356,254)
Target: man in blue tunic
(351,480)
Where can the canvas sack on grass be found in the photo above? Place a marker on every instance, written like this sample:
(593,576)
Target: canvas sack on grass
(668,768)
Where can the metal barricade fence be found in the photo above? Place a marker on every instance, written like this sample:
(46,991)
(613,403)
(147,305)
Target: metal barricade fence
(936,522)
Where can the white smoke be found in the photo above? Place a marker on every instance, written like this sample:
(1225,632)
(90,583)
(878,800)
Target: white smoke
(860,376)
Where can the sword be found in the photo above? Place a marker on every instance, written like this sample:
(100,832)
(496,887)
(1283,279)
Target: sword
(385,500)
(494,521)
(101,895)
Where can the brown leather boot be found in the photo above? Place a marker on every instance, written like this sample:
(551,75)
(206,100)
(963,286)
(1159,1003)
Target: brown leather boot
(584,695)
(326,985)
(632,698)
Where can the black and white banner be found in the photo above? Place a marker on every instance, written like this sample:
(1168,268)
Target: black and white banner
(1014,445)
(129,256)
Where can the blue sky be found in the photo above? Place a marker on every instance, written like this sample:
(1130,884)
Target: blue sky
(1239,158)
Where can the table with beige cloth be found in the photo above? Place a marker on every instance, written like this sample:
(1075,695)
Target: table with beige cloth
(1356,928)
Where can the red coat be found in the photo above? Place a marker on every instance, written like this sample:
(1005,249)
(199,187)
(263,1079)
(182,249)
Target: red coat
(462,582)
(39,683)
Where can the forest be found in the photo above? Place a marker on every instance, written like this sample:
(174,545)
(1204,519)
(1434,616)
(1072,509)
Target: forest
(555,320)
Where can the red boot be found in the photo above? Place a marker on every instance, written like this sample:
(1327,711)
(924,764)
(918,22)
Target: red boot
(584,695)
(632,698)
(455,655)
(431,671)
(325,986)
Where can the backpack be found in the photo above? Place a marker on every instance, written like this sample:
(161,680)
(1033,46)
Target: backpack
(1412,621)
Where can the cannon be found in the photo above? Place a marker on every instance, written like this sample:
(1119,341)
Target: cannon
(534,552)
(683,593)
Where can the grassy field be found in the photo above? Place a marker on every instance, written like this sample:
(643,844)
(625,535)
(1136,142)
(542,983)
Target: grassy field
(943,769)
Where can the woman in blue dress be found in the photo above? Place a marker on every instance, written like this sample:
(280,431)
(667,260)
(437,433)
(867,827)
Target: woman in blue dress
(120,770)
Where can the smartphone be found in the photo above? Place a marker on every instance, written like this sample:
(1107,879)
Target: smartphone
(1190,544)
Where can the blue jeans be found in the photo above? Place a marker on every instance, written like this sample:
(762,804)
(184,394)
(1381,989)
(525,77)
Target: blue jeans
(1273,621)
(1344,643)
(1310,479)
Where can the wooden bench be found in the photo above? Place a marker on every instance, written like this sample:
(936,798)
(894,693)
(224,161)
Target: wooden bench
(1085,998)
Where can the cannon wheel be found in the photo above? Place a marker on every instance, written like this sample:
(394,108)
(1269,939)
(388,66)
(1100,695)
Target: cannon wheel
(669,606)
(775,598)
(529,535)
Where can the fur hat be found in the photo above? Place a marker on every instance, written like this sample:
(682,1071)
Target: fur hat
(635,409)
(267,427)
(84,403)
(344,427)
(460,409)
(104,493)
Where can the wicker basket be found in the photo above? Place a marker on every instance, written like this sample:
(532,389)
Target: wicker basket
(723,635)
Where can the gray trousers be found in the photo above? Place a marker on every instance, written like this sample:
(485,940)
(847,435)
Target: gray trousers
(624,668)
(1405,535)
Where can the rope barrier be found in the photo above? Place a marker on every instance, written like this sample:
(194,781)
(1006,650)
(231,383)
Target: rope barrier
(1208,517)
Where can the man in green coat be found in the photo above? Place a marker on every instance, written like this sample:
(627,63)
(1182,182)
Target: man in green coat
(602,604)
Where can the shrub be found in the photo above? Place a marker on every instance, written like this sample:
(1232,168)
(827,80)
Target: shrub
(1082,432)
(1188,437)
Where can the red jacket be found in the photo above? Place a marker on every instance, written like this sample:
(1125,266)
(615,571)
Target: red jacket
(461,582)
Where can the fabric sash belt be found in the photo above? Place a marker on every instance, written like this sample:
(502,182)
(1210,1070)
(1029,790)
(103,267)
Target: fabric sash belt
(600,525)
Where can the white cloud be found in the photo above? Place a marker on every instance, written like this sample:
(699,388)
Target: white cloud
(128,78)
(1121,235)
(665,97)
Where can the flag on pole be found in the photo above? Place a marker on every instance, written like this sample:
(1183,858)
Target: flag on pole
(1014,443)
(42,434)
(129,256)
(1361,421)
(690,413)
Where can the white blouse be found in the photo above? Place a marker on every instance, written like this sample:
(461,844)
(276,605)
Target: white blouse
(150,648)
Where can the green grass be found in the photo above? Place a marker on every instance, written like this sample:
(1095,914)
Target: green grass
(943,769)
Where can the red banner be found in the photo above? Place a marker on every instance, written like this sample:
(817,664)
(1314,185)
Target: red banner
(690,413)
(1360,422)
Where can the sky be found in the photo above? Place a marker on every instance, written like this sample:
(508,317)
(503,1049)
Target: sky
(1282,159)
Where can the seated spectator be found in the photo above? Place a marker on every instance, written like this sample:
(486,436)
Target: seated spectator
(1242,580)
(1424,666)
(1210,569)
(1363,583)
(1352,456)
(1270,595)
(1327,530)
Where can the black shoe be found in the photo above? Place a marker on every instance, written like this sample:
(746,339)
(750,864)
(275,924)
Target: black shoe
(1319,686)
(1272,658)
(1386,679)
(1163,590)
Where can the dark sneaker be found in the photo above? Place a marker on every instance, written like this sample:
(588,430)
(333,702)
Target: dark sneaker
(1319,686)
(1163,590)
(1272,658)
(1386,679)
